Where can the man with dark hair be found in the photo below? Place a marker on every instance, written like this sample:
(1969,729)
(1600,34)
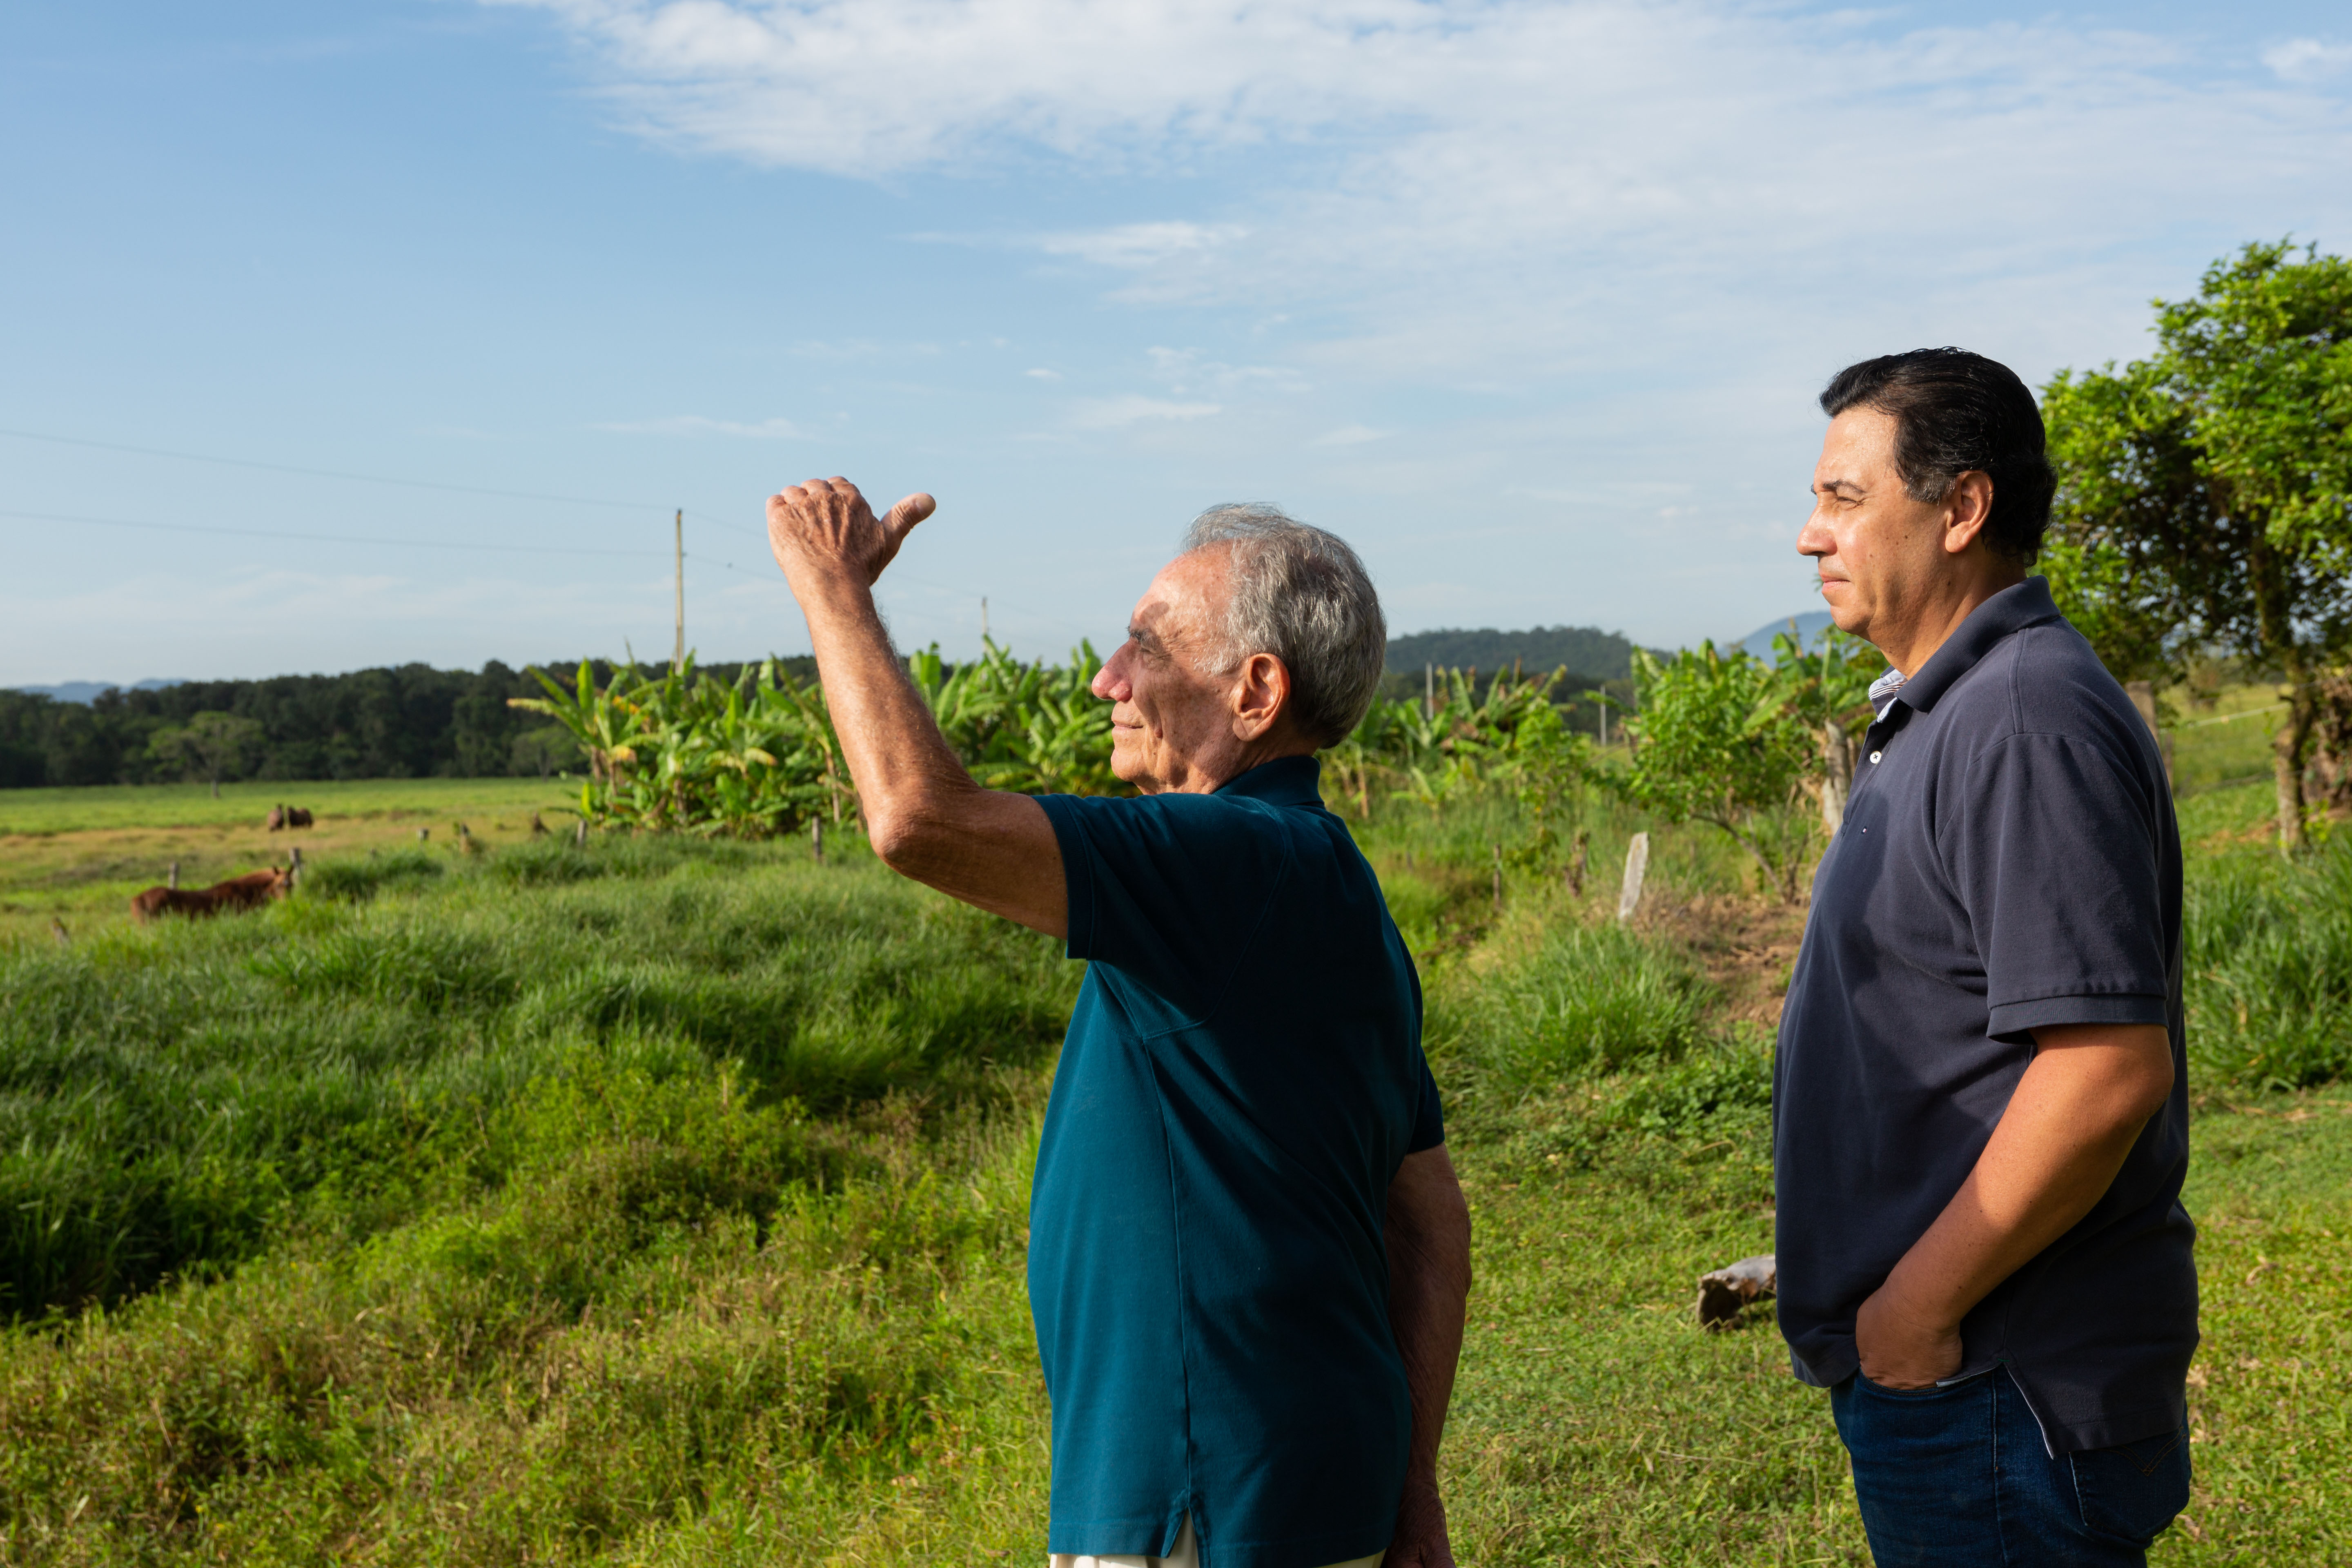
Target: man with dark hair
(1248,1255)
(1981,1118)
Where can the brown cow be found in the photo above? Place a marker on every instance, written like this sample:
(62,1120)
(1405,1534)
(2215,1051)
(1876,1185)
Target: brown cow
(249,891)
(298,817)
(276,819)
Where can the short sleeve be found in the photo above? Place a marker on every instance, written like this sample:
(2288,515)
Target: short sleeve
(2058,862)
(1429,1117)
(1168,888)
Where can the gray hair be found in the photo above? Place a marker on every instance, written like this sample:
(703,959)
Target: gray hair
(1302,596)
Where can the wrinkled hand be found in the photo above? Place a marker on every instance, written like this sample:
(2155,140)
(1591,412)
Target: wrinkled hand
(823,530)
(1902,1348)
(1420,1540)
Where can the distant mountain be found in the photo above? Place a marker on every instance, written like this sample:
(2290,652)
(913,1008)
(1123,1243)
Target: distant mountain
(86,692)
(1807,629)
(1588,652)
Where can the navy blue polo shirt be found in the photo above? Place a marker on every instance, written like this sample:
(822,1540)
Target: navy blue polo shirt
(1242,1079)
(2009,861)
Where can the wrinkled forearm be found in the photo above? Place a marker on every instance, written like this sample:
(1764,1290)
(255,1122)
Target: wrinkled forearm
(900,764)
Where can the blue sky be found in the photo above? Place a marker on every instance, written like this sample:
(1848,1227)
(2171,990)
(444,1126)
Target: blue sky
(1530,302)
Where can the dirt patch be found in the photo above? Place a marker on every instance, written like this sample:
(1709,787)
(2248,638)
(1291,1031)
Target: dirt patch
(1747,945)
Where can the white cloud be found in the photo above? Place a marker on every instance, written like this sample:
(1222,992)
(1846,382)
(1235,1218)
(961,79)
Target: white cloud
(1183,369)
(778,429)
(1349,436)
(1042,374)
(1116,413)
(1141,245)
(1490,189)
(2308,59)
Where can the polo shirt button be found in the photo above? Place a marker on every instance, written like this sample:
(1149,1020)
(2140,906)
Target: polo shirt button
(1875,755)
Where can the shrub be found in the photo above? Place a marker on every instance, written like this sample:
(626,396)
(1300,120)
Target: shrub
(1591,999)
(2268,955)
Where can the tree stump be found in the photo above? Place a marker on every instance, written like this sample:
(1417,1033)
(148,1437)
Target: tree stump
(1726,1293)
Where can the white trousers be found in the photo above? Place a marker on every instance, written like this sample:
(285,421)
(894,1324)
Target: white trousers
(1187,1555)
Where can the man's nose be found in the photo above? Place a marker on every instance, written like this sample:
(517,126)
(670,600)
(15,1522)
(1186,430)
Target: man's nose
(1813,539)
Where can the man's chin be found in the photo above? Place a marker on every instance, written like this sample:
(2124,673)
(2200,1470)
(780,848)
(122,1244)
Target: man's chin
(1846,615)
(1127,768)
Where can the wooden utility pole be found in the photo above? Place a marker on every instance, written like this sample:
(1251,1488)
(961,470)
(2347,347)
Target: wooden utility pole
(678,660)
(984,617)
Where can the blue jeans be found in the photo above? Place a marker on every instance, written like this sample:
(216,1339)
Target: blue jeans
(1959,1477)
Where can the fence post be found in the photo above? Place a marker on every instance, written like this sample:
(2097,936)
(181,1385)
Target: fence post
(580,834)
(172,879)
(294,875)
(1498,878)
(1576,864)
(2143,696)
(1637,867)
(1837,774)
(817,838)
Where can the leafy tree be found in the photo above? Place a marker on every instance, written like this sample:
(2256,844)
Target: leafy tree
(1551,766)
(1828,691)
(2205,496)
(1717,741)
(209,743)
(543,751)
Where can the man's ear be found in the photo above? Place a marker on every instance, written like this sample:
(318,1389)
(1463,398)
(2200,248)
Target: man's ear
(1261,693)
(1967,507)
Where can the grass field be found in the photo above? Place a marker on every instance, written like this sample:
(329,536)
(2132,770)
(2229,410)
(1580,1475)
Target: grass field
(2225,741)
(78,855)
(665,1203)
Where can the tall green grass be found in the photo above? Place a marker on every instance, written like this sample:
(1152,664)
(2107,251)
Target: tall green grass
(2268,961)
(168,1094)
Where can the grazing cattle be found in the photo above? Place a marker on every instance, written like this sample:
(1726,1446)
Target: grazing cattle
(249,891)
(276,819)
(298,817)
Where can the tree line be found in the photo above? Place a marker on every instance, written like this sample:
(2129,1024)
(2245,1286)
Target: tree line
(408,721)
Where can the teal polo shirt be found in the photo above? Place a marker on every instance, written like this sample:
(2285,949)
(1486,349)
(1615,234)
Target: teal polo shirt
(1241,1078)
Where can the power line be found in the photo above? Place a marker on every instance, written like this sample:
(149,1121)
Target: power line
(327,537)
(325,473)
(894,576)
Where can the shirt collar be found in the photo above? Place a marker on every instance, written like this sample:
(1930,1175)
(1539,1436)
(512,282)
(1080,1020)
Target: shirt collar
(1286,781)
(1882,691)
(2027,603)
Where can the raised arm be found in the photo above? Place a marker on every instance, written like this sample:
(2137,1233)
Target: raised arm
(1428,1236)
(927,818)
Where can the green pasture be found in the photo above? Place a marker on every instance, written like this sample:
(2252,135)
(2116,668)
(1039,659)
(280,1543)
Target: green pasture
(2223,740)
(77,855)
(664,1202)
(94,807)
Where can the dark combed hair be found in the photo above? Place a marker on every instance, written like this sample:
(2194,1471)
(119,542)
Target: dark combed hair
(1955,411)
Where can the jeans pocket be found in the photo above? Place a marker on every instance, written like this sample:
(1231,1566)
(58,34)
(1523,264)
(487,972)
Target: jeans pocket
(2134,1490)
(1910,1394)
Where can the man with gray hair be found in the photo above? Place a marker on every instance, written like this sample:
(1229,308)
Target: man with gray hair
(1248,1255)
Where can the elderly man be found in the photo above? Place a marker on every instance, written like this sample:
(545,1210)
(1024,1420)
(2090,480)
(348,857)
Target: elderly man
(1248,1255)
(1981,1109)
